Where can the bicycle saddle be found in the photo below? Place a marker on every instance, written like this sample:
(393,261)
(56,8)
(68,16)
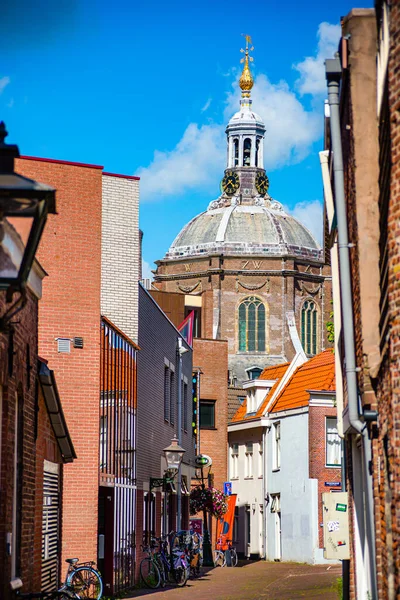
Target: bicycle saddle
(72,561)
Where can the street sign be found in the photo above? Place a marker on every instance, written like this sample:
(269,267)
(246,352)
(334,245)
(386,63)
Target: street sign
(333,484)
(202,460)
(227,488)
(196,525)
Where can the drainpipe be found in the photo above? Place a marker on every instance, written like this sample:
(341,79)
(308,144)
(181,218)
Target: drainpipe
(333,76)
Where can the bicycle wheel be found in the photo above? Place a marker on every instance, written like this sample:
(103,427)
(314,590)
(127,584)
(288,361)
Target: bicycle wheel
(149,573)
(219,558)
(234,557)
(180,576)
(85,582)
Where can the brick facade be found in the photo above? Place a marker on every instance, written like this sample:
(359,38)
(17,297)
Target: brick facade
(211,356)
(70,252)
(120,252)
(282,284)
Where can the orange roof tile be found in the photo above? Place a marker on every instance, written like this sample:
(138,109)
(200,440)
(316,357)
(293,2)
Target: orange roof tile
(318,373)
(274,372)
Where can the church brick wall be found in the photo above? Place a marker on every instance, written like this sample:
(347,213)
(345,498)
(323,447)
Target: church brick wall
(120,252)
(70,252)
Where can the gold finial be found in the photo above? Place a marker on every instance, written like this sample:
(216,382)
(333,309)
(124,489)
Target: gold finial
(246,79)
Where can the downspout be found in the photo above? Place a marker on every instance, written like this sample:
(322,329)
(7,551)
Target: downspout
(333,76)
(264,494)
(179,349)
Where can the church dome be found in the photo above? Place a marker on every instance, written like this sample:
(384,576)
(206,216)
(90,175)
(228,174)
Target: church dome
(245,117)
(245,230)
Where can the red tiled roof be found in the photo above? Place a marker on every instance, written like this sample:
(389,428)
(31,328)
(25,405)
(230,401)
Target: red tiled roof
(316,374)
(274,372)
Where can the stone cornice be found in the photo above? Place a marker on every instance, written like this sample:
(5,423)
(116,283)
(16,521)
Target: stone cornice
(312,277)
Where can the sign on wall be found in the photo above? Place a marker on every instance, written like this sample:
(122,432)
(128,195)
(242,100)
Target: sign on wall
(196,525)
(227,488)
(335,510)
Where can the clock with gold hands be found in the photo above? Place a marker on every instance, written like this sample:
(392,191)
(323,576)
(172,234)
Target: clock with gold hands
(262,183)
(230,183)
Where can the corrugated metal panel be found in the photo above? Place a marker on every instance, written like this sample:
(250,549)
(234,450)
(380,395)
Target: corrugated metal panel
(50,531)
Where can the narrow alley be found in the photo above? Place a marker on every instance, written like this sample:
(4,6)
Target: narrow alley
(257,581)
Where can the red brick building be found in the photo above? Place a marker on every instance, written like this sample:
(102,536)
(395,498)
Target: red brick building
(366,208)
(32,453)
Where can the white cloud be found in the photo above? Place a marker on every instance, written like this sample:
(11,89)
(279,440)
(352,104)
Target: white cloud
(4,81)
(198,160)
(207,105)
(309,214)
(146,270)
(195,162)
(311,69)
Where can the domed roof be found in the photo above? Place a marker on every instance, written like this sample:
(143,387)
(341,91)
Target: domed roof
(264,229)
(244,117)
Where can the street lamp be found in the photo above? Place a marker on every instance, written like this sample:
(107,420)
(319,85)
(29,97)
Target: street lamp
(24,206)
(173,456)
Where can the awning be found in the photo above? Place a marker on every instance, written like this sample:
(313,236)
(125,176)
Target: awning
(55,412)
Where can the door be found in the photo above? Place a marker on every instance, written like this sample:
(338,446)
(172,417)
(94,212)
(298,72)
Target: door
(247,531)
(50,526)
(105,559)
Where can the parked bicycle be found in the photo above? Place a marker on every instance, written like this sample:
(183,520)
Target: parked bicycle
(161,567)
(222,547)
(81,581)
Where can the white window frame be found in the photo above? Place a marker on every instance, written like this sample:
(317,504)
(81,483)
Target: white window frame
(249,450)
(336,440)
(276,446)
(260,461)
(234,474)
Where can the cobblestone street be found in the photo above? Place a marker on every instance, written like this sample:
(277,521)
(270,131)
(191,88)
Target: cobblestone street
(257,581)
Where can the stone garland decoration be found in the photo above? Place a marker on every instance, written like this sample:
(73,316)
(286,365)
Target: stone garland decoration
(252,287)
(188,289)
(312,292)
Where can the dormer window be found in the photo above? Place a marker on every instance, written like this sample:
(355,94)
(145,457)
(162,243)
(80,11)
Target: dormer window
(247,152)
(254,372)
(257,390)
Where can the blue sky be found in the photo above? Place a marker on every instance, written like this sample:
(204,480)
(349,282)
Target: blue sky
(147,88)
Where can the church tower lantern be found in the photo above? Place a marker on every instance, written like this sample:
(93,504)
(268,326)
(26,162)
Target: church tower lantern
(245,175)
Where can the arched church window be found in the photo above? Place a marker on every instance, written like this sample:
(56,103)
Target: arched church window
(235,153)
(309,327)
(257,151)
(246,152)
(251,316)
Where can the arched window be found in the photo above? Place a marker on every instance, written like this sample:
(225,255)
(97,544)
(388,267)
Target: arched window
(251,325)
(246,152)
(235,153)
(257,151)
(309,327)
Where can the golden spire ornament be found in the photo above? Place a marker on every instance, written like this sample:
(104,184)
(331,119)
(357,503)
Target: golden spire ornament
(246,81)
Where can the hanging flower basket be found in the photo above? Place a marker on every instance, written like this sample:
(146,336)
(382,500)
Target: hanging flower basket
(209,499)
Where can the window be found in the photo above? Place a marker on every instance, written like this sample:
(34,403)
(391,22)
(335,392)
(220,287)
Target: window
(207,414)
(246,152)
(333,443)
(166,393)
(196,319)
(260,460)
(309,327)
(234,474)
(235,153)
(254,372)
(103,442)
(275,503)
(251,325)
(276,454)
(172,397)
(249,460)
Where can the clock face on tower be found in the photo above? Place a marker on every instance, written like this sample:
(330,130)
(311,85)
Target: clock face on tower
(262,183)
(230,183)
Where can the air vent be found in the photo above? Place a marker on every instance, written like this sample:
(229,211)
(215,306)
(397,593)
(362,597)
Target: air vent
(64,345)
(78,342)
